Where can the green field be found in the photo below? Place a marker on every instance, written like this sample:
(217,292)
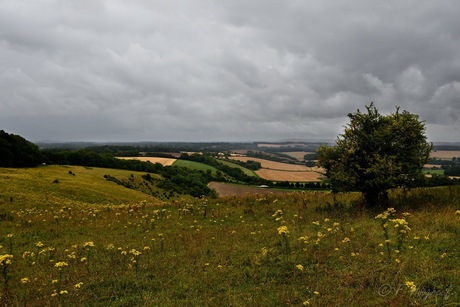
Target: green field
(194,165)
(433,171)
(86,241)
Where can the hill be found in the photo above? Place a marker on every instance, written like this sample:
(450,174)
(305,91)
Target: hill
(87,241)
(58,185)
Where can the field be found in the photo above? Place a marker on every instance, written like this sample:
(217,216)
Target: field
(296,176)
(297,154)
(226,189)
(274,165)
(284,172)
(85,241)
(163,161)
(195,165)
(279,145)
(445,154)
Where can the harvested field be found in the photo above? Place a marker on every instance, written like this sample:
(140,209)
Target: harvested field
(274,165)
(163,161)
(298,154)
(298,176)
(445,154)
(280,145)
(432,165)
(226,189)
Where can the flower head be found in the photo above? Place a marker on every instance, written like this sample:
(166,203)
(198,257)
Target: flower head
(5,259)
(283,230)
(411,285)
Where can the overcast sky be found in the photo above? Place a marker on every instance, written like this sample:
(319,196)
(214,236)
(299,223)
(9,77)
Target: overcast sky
(229,70)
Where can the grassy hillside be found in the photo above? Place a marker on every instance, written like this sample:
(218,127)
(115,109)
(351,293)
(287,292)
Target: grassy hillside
(70,243)
(57,184)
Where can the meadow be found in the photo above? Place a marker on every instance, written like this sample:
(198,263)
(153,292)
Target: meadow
(86,241)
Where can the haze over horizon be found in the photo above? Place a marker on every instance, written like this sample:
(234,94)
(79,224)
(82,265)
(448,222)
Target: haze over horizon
(262,70)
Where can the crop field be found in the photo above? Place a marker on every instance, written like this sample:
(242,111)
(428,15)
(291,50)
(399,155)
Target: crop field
(296,176)
(82,242)
(445,154)
(283,171)
(273,165)
(279,145)
(297,154)
(163,161)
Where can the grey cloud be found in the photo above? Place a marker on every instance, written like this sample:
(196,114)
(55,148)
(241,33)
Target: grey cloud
(233,70)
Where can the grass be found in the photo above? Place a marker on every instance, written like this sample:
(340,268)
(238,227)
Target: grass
(194,165)
(264,251)
(433,171)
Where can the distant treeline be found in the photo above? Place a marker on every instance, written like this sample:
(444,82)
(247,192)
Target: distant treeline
(125,150)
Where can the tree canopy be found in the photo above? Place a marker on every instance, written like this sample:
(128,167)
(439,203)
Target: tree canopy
(15,151)
(375,153)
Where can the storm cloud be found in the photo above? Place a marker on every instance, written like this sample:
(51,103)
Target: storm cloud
(93,70)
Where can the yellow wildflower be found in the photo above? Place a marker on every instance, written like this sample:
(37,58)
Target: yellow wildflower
(78,286)
(5,259)
(61,264)
(88,244)
(283,230)
(411,285)
(25,280)
(299,267)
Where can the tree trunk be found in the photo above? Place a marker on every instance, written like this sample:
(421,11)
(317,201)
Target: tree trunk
(376,198)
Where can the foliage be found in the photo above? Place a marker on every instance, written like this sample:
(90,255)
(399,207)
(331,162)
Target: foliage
(15,151)
(452,170)
(376,153)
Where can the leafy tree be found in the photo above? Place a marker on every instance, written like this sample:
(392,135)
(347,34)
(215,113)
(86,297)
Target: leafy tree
(15,151)
(376,153)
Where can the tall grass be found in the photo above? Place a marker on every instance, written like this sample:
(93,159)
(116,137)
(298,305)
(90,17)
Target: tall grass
(303,248)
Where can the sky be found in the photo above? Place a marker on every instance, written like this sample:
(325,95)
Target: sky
(209,70)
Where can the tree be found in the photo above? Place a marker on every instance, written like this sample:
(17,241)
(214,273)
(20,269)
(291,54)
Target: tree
(376,153)
(15,151)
